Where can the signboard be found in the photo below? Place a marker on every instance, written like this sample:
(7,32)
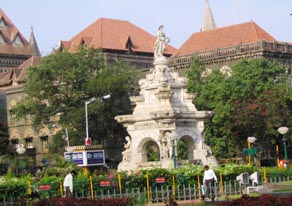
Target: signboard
(44,187)
(251,151)
(105,183)
(76,157)
(86,158)
(88,141)
(95,157)
(160,180)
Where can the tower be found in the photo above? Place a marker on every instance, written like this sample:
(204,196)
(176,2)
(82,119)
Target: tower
(208,21)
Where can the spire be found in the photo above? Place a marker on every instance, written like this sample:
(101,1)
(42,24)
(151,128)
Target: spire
(33,46)
(208,22)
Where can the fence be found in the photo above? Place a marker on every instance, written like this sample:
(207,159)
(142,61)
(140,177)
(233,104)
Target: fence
(158,192)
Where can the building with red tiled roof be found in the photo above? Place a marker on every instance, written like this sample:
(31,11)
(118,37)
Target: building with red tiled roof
(118,39)
(224,37)
(14,48)
(20,131)
(16,55)
(221,47)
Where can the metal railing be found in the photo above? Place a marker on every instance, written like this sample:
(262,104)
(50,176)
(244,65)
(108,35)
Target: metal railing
(155,193)
(184,61)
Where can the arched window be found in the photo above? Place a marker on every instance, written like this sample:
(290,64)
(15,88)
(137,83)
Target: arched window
(28,142)
(152,152)
(182,151)
(226,70)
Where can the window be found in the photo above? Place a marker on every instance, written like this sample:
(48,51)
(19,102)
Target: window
(226,70)
(28,119)
(28,142)
(2,23)
(206,73)
(2,41)
(44,140)
(12,119)
(18,41)
(14,143)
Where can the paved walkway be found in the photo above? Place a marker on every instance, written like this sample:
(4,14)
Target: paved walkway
(188,202)
(180,203)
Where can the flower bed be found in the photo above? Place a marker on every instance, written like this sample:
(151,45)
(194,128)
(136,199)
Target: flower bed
(263,200)
(68,201)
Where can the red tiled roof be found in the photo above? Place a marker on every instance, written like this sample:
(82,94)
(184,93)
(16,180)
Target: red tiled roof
(223,37)
(17,75)
(9,33)
(20,71)
(110,34)
(5,78)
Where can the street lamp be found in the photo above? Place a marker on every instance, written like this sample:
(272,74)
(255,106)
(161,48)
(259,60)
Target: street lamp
(21,150)
(66,138)
(283,131)
(87,139)
(172,138)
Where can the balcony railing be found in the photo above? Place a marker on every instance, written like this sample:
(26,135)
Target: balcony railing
(241,49)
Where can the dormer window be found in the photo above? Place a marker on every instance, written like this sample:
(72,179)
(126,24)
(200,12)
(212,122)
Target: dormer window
(2,41)
(18,41)
(2,23)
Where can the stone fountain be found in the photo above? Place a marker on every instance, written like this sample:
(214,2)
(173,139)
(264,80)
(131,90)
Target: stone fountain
(164,114)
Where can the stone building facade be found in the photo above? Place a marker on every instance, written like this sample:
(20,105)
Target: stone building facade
(15,53)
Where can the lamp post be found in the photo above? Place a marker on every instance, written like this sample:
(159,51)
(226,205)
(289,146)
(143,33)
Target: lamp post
(283,131)
(66,138)
(87,139)
(173,143)
(21,150)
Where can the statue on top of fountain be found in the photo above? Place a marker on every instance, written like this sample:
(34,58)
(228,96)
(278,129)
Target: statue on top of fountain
(160,42)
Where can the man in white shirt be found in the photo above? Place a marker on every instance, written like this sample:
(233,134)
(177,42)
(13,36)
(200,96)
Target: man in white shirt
(208,180)
(68,184)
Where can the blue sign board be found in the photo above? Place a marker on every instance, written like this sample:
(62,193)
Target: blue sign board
(76,157)
(86,158)
(95,157)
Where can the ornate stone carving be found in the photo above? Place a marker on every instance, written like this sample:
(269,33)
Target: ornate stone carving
(126,153)
(164,107)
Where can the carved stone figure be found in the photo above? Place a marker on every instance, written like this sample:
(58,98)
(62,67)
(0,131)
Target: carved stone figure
(161,39)
(127,149)
(208,150)
(167,149)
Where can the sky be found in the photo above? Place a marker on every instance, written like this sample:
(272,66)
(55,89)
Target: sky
(54,20)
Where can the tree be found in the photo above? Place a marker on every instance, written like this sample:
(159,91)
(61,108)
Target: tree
(253,101)
(4,142)
(62,83)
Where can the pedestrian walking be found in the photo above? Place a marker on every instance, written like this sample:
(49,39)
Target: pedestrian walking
(68,184)
(208,180)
